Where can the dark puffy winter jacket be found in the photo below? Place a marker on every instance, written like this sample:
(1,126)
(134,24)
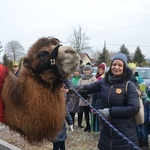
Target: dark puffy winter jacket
(62,135)
(96,100)
(122,108)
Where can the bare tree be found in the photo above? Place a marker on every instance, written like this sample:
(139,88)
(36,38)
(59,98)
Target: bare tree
(79,40)
(1,52)
(1,47)
(14,50)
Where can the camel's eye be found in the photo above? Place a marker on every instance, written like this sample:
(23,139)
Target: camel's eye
(43,54)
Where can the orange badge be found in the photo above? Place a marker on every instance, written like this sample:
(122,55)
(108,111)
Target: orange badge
(118,91)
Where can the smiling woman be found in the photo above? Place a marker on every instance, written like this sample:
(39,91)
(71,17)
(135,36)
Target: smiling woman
(117,106)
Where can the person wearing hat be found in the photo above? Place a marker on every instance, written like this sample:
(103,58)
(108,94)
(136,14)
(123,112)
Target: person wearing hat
(73,100)
(142,130)
(117,106)
(86,79)
(16,69)
(101,71)
(96,99)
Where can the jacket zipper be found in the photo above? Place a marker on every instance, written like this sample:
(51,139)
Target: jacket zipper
(110,118)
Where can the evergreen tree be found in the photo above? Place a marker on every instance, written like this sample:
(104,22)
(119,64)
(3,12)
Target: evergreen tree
(138,56)
(7,62)
(104,56)
(124,50)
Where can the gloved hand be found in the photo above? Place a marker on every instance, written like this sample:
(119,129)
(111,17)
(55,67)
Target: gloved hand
(71,91)
(85,96)
(83,93)
(143,95)
(71,127)
(104,112)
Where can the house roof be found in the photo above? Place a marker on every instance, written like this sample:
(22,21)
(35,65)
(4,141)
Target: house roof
(82,55)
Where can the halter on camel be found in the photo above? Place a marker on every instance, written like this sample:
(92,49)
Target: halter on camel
(50,64)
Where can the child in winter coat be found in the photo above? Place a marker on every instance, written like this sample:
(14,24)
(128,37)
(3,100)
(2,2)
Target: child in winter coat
(73,100)
(59,141)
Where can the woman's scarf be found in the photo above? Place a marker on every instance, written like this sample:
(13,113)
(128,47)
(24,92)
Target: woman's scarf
(112,80)
(87,77)
(125,76)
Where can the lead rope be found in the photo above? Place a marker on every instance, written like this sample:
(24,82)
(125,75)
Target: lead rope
(100,116)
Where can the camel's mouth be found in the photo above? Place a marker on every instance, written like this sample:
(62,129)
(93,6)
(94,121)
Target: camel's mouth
(67,60)
(68,68)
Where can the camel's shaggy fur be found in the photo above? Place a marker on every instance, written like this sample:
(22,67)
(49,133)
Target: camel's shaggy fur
(32,109)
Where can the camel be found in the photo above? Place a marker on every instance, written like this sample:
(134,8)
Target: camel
(34,105)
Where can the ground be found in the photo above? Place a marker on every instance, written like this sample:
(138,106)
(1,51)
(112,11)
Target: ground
(77,140)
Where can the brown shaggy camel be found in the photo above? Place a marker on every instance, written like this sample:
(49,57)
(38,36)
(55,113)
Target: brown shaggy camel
(34,104)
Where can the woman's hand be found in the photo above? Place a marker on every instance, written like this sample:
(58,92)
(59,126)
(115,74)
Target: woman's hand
(104,112)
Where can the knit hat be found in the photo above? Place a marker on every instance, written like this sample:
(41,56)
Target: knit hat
(102,66)
(120,56)
(15,63)
(77,70)
(87,67)
(132,65)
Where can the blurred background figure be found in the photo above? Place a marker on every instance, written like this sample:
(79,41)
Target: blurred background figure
(96,100)
(101,71)
(73,100)
(142,130)
(16,69)
(59,141)
(81,66)
(85,79)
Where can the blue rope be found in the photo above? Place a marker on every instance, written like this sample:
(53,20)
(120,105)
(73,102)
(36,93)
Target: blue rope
(99,115)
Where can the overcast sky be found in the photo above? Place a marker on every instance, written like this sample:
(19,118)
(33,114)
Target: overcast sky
(115,21)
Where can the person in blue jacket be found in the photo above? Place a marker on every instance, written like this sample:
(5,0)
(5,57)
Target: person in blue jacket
(59,141)
(117,106)
(142,130)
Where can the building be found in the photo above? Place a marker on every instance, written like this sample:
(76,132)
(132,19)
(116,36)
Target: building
(85,59)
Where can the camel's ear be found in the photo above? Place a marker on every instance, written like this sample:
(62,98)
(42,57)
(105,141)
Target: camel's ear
(26,62)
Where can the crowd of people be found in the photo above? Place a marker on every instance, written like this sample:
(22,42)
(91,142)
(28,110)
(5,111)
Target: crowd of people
(106,92)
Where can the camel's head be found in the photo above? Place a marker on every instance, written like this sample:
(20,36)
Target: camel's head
(47,59)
